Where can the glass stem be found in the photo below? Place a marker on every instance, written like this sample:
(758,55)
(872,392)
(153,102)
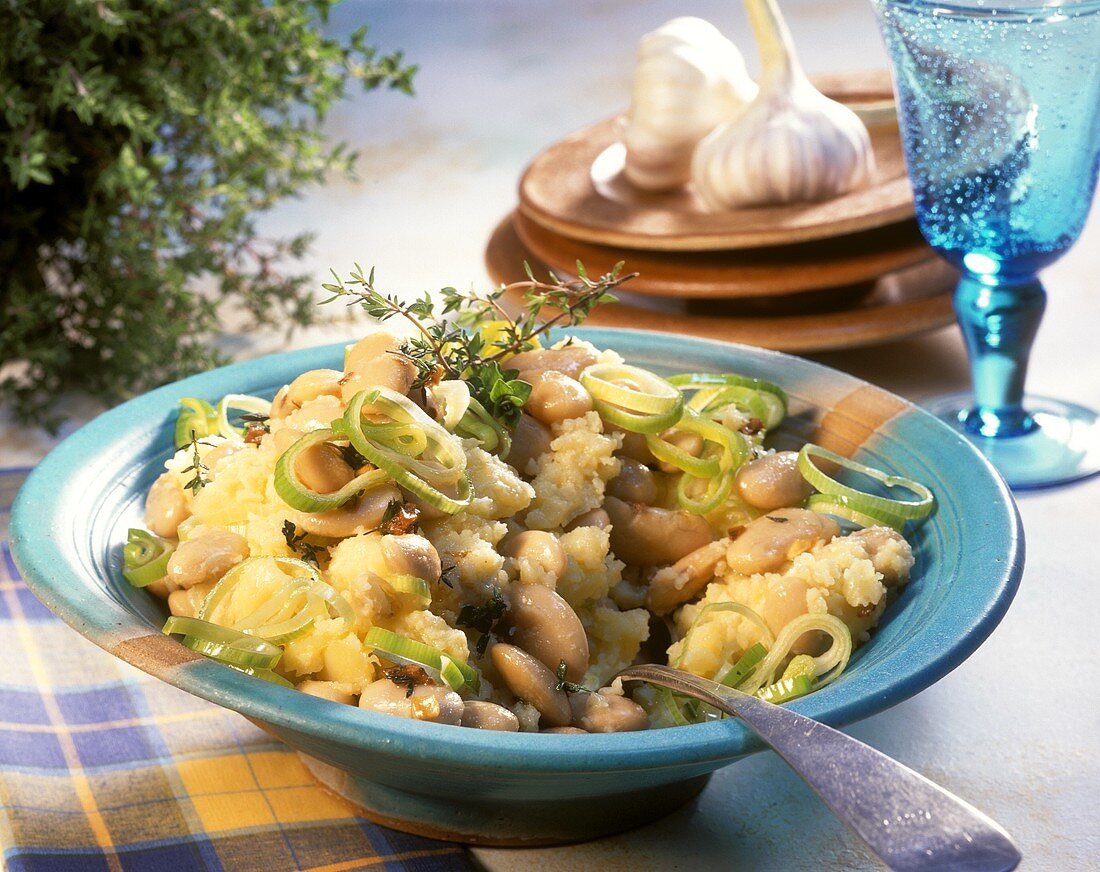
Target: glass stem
(999,320)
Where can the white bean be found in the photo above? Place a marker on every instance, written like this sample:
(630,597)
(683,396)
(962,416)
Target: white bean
(322,468)
(427,702)
(372,362)
(411,554)
(359,515)
(555,397)
(313,384)
(680,582)
(530,440)
(650,536)
(773,481)
(166,506)
(776,538)
(539,551)
(608,712)
(635,483)
(545,625)
(186,602)
(571,360)
(206,558)
(482,715)
(531,682)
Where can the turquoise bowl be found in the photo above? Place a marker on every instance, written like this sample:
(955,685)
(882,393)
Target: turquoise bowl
(71,516)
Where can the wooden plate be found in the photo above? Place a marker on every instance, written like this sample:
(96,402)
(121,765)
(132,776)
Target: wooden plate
(758,272)
(575,188)
(898,305)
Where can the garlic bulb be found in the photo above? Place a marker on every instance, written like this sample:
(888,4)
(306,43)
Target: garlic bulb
(791,144)
(688,78)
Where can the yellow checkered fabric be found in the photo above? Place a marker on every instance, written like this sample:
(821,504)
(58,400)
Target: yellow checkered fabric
(105,767)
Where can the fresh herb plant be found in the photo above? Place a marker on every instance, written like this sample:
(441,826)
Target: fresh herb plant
(139,141)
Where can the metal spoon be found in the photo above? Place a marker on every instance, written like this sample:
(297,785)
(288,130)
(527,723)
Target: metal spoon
(909,822)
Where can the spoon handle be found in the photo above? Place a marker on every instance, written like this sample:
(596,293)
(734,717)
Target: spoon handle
(909,822)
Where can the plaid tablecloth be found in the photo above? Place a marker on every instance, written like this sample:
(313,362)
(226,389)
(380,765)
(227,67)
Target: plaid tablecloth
(105,768)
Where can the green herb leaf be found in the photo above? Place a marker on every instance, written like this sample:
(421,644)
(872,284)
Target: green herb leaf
(141,144)
(483,618)
(201,477)
(499,391)
(568,686)
(297,543)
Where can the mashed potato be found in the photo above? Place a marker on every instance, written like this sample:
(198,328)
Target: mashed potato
(843,578)
(573,475)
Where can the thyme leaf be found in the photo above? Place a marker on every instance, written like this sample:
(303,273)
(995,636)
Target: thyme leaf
(446,576)
(568,686)
(297,543)
(483,618)
(408,676)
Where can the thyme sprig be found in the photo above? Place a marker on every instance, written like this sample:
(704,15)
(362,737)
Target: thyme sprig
(201,477)
(447,343)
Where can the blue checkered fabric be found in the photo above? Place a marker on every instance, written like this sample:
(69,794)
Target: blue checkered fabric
(103,767)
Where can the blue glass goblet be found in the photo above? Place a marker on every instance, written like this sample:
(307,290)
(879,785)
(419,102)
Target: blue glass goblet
(999,110)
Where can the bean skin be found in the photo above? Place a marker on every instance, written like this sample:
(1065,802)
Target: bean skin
(610,713)
(206,558)
(371,363)
(428,702)
(571,360)
(322,468)
(166,506)
(540,549)
(361,514)
(530,440)
(482,715)
(649,536)
(555,397)
(776,538)
(545,626)
(635,483)
(773,482)
(532,682)
(596,518)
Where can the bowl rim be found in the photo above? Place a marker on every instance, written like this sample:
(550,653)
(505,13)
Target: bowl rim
(44,561)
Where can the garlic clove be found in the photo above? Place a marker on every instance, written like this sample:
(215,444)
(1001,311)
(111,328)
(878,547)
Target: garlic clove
(792,144)
(688,78)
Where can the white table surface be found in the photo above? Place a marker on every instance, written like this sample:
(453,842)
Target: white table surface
(1014,729)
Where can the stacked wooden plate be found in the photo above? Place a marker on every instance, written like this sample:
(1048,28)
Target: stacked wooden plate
(850,271)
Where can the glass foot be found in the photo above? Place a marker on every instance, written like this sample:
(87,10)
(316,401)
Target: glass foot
(1064,447)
